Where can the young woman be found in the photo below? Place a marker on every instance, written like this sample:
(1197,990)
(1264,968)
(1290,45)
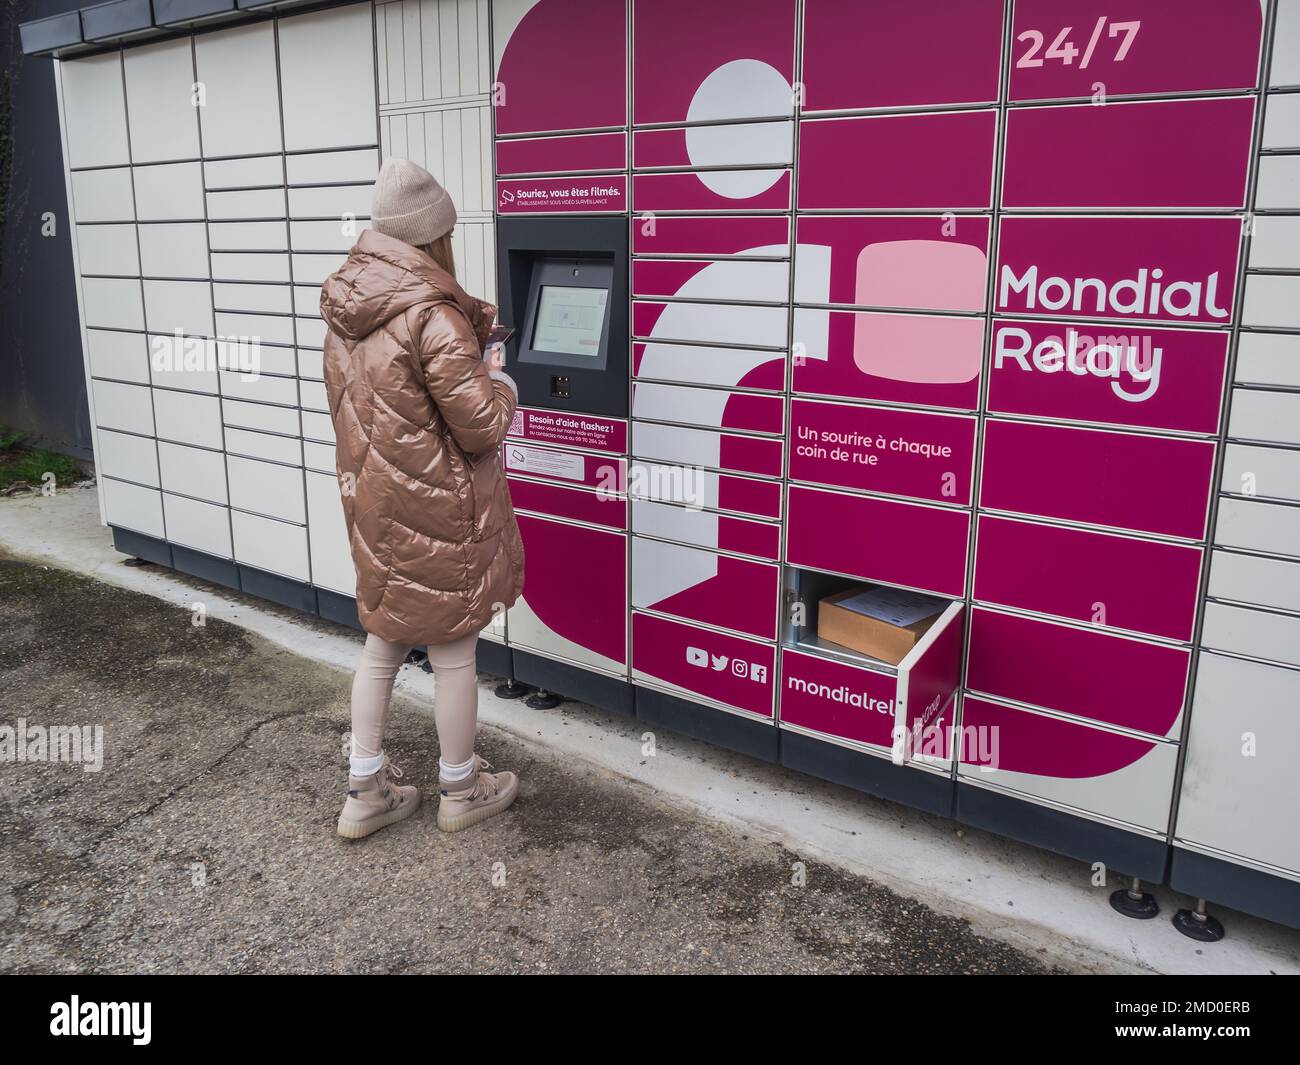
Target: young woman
(420,411)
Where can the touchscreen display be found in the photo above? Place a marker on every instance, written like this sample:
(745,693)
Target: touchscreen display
(570,320)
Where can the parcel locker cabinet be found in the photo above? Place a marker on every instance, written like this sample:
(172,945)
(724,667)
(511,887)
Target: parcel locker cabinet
(749,249)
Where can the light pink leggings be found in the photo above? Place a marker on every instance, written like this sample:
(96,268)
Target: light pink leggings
(455,696)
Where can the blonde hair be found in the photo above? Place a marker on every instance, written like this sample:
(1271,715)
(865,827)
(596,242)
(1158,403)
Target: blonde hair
(440,251)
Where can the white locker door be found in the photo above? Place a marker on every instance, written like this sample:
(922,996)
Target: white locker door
(103,195)
(161,101)
(327,79)
(241,116)
(132,507)
(1239,777)
(331,558)
(94,111)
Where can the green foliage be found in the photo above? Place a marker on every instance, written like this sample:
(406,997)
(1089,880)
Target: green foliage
(10,438)
(18,463)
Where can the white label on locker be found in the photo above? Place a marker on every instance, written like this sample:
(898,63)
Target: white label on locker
(545,463)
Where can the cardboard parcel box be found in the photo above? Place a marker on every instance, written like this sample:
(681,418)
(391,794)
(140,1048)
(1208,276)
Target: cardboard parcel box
(885,623)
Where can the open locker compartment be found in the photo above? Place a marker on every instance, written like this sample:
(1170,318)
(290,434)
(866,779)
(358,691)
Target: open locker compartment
(903,711)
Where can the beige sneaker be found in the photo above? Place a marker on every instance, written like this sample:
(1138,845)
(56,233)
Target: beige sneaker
(479,796)
(375,801)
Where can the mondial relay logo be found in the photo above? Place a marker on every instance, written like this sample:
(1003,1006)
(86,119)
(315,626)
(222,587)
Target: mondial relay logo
(842,694)
(1130,363)
(1147,294)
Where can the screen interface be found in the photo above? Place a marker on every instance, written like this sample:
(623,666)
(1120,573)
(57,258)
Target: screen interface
(570,320)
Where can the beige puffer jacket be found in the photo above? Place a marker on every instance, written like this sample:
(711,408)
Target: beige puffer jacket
(419,424)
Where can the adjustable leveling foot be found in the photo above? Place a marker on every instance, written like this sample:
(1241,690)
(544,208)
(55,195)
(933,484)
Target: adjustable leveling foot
(511,689)
(1134,902)
(1198,925)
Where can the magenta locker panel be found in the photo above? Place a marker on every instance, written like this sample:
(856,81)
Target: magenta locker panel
(887,327)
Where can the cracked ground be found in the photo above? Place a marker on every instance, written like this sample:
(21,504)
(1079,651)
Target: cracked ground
(207,844)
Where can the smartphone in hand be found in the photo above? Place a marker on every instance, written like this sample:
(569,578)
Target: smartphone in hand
(494,350)
(498,334)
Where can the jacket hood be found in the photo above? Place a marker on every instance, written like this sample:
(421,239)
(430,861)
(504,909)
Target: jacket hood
(382,278)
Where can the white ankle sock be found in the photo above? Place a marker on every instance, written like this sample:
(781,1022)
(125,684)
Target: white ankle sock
(365,767)
(455,772)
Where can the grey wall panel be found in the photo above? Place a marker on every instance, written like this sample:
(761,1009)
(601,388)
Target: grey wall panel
(432,50)
(452,143)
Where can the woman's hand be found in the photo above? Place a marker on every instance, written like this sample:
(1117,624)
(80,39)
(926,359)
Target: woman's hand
(495,357)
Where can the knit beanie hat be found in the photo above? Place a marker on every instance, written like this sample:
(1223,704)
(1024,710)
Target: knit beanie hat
(409,204)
